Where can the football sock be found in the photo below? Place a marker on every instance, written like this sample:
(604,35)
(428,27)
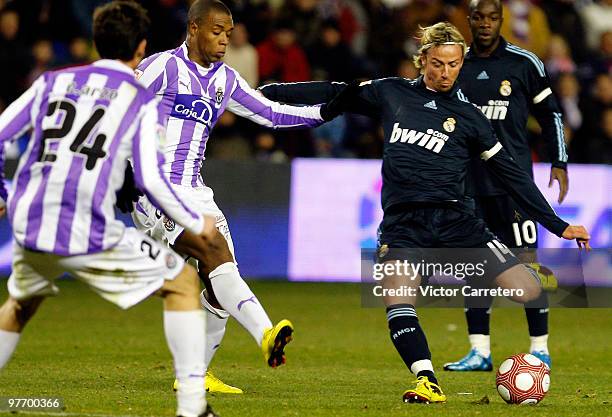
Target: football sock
(481,343)
(8,343)
(539,343)
(537,315)
(185,334)
(238,300)
(537,320)
(424,367)
(478,320)
(215,330)
(408,338)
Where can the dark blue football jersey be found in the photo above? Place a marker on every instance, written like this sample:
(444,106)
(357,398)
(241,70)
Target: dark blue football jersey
(507,86)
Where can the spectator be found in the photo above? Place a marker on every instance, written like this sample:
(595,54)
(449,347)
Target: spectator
(14,56)
(558,57)
(603,60)
(563,19)
(352,20)
(305,19)
(600,98)
(242,56)
(80,51)
(42,52)
(568,91)
(330,57)
(596,19)
(406,69)
(525,25)
(266,149)
(600,146)
(281,58)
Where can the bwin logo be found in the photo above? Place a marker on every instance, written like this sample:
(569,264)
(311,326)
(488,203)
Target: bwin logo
(495,109)
(432,140)
(402,331)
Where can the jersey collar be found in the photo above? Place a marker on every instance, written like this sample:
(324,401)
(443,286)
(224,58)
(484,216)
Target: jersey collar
(113,64)
(420,82)
(183,53)
(498,52)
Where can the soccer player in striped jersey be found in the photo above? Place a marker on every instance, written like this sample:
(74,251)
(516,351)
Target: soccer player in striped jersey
(83,124)
(194,87)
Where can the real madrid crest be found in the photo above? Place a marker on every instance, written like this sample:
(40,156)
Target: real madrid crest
(505,89)
(219,95)
(449,124)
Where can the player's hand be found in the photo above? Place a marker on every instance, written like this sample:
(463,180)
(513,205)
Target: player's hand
(560,175)
(210,227)
(2,211)
(580,234)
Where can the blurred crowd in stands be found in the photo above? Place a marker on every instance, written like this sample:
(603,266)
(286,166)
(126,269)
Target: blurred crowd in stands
(299,40)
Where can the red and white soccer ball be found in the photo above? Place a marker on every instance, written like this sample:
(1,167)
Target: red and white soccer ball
(522,379)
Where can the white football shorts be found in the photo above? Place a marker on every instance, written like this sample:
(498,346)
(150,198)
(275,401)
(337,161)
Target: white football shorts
(149,219)
(125,275)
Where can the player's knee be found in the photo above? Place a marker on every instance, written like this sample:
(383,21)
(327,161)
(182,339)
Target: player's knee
(214,250)
(532,292)
(191,281)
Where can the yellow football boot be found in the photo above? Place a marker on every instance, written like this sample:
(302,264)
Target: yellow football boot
(214,384)
(547,277)
(274,341)
(425,392)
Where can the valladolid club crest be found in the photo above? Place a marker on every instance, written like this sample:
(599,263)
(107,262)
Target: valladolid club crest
(219,95)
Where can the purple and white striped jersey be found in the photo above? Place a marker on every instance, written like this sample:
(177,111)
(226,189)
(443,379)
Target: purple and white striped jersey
(84,122)
(192,98)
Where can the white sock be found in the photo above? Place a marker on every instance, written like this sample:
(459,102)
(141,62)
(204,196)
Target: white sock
(422,365)
(185,334)
(539,343)
(482,343)
(8,343)
(216,321)
(238,300)
(215,329)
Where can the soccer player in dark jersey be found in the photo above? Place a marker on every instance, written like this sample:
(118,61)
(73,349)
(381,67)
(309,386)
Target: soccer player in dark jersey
(507,83)
(431,132)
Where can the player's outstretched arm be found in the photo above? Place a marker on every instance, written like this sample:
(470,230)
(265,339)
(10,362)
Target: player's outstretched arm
(309,92)
(251,104)
(338,97)
(149,176)
(526,193)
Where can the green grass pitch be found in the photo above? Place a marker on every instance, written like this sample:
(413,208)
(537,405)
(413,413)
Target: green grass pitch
(105,362)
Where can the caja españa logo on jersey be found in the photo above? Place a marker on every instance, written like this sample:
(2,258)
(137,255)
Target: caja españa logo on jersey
(192,107)
(432,140)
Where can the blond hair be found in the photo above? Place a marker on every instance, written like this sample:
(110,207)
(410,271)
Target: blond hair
(442,33)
